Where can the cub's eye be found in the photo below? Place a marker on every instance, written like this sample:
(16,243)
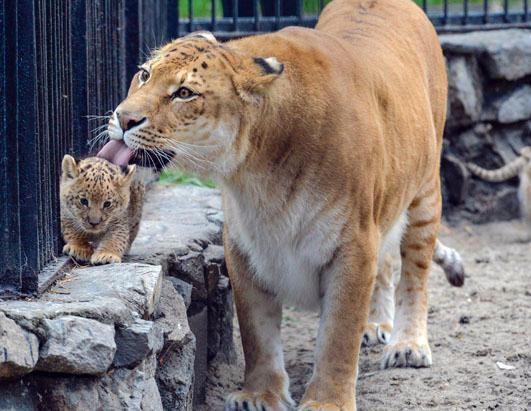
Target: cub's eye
(183,93)
(107,204)
(144,75)
(83,201)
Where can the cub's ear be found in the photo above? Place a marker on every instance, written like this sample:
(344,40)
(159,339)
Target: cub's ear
(128,173)
(204,34)
(257,75)
(69,167)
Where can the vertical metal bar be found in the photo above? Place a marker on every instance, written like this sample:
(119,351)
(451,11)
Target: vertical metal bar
(526,10)
(172,19)
(277,14)
(321,5)
(506,10)
(299,12)
(255,14)
(26,135)
(425,6)
(445,12)
(213,15)
(235,13)
(485,11)
(465,12)
(190,16)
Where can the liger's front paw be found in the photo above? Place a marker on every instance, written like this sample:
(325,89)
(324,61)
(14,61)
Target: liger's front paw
(376,334)
(105,258)
(77,252)
(407,353)
(256,401)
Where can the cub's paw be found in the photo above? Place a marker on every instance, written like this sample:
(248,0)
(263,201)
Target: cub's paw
(376,334)
(105,258)
(256,401)
(78,252)
(319,406)
(407,353)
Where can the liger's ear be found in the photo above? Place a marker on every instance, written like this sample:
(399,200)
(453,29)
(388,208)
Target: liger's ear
(69,167)
(257,75)
(204,34)
(129,172)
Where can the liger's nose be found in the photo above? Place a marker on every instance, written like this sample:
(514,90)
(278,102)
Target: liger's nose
(93,224)
(129,120)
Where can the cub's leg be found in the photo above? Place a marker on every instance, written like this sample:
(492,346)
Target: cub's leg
(77,246)
(381,314)
(409,346)
(266,384)
(112,246)
(347,285)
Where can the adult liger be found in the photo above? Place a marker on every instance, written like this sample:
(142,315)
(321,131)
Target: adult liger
(326,145)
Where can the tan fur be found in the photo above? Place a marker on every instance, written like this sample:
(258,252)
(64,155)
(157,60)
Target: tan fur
(98,182)
(521,167)
(322,141)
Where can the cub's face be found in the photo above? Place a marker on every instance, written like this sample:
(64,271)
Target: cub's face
(189,105)
(94,191)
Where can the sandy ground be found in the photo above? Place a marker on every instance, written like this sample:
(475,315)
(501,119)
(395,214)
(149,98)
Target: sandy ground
(471,329)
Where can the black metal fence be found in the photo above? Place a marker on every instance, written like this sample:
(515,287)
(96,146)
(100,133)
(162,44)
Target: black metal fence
(235,18)
(60,62)
(64,60)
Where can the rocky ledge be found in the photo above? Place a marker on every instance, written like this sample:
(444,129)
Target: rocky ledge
(135,336)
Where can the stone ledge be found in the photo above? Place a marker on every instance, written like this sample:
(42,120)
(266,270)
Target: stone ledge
(117,336)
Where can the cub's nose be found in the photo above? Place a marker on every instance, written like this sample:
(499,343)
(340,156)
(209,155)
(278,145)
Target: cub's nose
(129,120)
(93,224)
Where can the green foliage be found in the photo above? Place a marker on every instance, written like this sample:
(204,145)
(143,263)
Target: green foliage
(179,177)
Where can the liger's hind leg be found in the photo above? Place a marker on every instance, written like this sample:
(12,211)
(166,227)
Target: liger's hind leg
(381,314)
(409,346)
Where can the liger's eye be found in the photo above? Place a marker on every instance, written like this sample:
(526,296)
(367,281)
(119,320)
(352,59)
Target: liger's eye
(144,75)
(184,93)
(83,202)
(107,204)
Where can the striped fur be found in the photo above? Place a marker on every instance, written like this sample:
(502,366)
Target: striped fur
(381,315)
(520,167)
(327,148)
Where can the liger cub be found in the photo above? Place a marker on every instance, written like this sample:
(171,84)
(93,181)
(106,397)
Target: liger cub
(101,206)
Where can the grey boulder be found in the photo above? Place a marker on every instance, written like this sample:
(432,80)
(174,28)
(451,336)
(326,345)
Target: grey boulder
(76,345)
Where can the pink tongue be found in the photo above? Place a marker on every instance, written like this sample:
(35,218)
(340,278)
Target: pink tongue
(117,152)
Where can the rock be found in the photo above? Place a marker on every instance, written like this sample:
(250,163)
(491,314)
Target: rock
(183,288)
(175,376)
(19,350)
(455,177)
(464,91)
(136,342)
(115,293)
(190,268)
(17,395)
(176,218)
(198,322)
(214,260)
(220,320)
(504,54)
(131,389)
(76,345)
(470,144)
(517,106)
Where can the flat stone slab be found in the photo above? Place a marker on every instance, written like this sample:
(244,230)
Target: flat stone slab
(177,220)
(115,293)
(507,52)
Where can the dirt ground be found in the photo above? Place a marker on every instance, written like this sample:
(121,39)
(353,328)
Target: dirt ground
(472,330)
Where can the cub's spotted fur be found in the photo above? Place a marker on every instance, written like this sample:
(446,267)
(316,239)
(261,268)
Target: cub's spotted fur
(101,206)
(521,167)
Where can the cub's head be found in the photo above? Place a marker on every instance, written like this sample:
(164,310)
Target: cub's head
(191,105)
(93,191)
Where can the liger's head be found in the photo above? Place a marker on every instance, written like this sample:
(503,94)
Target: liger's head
(94,191)
(189,105)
